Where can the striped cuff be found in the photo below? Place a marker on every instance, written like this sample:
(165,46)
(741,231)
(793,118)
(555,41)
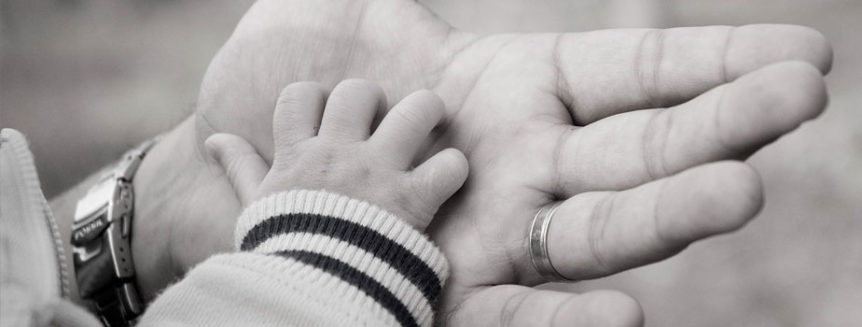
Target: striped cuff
(363,245)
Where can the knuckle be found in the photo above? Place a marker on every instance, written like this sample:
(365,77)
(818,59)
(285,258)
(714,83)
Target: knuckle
(239,162)
(412,115)
(421,108)
(512,307)
(598,221)
(294,94)
(723,139)
(421,186)
(357,85)
(648,59)
(654,141)
(289,100)
(420,199)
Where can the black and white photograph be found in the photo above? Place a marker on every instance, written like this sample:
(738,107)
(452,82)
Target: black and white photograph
(400,163)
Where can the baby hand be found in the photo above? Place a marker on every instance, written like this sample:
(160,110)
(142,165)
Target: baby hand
(345,155)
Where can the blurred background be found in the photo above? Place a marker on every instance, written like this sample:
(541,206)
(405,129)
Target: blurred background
(106,74)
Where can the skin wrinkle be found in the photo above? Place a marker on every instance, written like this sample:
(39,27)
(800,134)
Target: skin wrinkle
(488,64)
(597,225)
(445,124)
(656,74)
(284,100)
(648,80)
(353,38)
(523,243)
(447,58)
(467,150)
(444,318)
(563,91)
(560,306)
(453,58)
(557,187)
(716,120)
(663,152)
(208,125)
(723,67)
(449,315)
(662,239)
(647,140)
(238,162)
(452,53)
(419,190)
(506,319)
(522,298)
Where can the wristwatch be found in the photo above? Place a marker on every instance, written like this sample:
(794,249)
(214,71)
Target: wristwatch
(101,242)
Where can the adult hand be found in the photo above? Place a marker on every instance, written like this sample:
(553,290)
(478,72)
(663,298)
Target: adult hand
(541,117)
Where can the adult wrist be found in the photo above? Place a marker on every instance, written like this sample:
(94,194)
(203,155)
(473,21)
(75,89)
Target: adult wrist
(158,185)
(185,211)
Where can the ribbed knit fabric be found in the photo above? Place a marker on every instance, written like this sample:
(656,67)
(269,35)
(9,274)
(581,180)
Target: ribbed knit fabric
(392,263)
(309,258)
(33,274)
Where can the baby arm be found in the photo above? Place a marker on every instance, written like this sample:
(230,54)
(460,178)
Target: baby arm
(331,233)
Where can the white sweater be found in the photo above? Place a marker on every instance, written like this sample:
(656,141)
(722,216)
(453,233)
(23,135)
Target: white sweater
(305,258)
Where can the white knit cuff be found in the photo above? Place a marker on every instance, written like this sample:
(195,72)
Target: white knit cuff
(363,245)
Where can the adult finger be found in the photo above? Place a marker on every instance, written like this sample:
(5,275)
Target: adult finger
(298,111)
(243,165)
(728,122)
(406,127)
(595,234)
(512,305)
(646,68)
(351,109)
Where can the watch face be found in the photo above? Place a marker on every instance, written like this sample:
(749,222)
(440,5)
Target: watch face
(97,199)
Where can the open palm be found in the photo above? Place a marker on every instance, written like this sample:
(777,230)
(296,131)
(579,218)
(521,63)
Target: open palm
(621,125)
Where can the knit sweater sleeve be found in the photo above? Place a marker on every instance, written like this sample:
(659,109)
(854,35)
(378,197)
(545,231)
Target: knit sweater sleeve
(311,258)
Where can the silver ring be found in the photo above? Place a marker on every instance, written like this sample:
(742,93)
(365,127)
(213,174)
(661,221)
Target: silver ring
(539,244)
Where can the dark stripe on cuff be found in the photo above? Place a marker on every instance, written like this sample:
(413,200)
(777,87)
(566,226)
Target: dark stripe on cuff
(407,263)
(358,279)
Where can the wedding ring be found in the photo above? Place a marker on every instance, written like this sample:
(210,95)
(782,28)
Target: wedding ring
(539,244)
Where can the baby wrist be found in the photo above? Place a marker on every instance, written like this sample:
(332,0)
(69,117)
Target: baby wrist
(351,239)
